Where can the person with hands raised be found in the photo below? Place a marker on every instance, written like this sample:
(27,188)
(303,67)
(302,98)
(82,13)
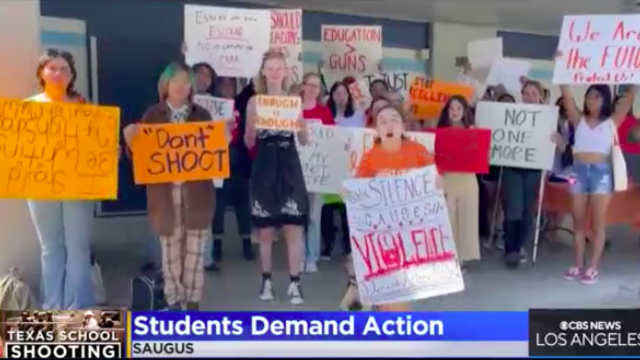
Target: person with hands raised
(279,196)
(596,127)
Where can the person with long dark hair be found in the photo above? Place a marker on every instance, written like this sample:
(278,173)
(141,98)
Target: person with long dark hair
(461,189)
(64,227)
(596,127)
(205,79)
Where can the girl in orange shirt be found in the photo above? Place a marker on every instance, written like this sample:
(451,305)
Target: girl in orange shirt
(393,154)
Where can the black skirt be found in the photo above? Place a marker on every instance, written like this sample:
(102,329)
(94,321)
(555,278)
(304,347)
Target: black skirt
(278,193)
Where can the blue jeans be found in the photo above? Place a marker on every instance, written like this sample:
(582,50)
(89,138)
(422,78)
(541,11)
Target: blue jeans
(311,248)
(64,229)
(596,178)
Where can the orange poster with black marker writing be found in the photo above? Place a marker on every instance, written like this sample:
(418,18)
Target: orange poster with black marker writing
(165,153)
(428,96)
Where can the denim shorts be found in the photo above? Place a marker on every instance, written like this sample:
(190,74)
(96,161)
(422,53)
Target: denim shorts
(596,178)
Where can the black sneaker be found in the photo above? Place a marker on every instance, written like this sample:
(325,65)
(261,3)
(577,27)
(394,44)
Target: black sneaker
(513,260)
(295,293)
(266,290)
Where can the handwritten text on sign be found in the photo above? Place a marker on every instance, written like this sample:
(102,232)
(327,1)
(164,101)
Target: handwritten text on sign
(231,40)
(428,97)
(219,108)
(599,49)
(520,133)
(286,36)
(397,81)
(325,161)
(58,151)
(401,237)
(278,112)
(351,50)
(164,153)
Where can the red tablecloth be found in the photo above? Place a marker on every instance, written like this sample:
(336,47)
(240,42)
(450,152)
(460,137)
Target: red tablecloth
(623,209)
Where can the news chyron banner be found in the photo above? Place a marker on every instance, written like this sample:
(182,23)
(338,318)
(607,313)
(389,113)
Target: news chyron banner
(545,333)
(82,334)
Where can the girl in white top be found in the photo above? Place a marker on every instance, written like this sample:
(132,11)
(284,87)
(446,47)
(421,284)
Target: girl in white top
(343,108)
(594,138)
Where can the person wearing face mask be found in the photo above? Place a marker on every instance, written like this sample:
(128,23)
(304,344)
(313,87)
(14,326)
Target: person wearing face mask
(393,154)
(313,110)
(180,213)
(279,196)
(235,190)
(596,128)
(63,227)
(461,189)
(520,190)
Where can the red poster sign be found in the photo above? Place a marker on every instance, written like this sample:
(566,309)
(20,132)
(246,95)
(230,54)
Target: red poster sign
(463,150)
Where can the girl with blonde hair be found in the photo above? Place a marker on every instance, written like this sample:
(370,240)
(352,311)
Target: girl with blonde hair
(278,192)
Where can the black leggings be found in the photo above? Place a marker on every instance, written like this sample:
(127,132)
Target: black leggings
(328,228)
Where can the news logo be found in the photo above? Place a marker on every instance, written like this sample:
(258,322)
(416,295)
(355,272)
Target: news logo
(584,332)
(92,334)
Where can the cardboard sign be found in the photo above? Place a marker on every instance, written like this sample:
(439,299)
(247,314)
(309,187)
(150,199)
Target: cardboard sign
(165,153)
(463,150)
(325,161)
(278,112)
(219,108)
(286,36)
(231,40)
(520,133)
(58,151)
(351,50)
(599,49)
(428,97)
(401,239)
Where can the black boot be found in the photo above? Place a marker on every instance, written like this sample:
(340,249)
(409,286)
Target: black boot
(216,252)
(512,238)
(247,249)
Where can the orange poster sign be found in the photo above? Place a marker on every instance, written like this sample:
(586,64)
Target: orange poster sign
(58,151)
(165,153)
(428,96)
(278,112)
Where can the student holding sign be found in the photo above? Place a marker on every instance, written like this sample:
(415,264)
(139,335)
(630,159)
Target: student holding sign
(278,192)
(392,154)
(596,128)
(179,212)
(205,79)
(461,189)
(64,227)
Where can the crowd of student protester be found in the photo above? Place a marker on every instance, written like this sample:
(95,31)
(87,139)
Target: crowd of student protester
(266,188)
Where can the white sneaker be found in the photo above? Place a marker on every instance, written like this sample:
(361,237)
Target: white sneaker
(295,293)
(266,291)
(309,267)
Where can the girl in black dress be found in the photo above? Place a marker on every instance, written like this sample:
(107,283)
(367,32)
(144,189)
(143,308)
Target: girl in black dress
(278,193)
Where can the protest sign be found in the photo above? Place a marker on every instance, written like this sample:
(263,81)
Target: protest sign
(479,87)
(231,40)
(482,53)
(463,150)
(351,50)
(507,72)
(401,239)
(219,108)
(165,153)
(428,97)
(286,36)
(278,112)
(58,151)
(397,81)
(325,161)
(599,49)
(520,133)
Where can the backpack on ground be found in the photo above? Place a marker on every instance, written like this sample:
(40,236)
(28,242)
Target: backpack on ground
(147,292)
(15,295)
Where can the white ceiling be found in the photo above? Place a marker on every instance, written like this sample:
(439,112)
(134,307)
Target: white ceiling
(534,16)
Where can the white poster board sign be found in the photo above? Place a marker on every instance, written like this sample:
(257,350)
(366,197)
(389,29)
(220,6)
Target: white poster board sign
(520,133)
(286,36)
(398,82)
(278,113)
(219,108)
(598,49)
(351,50)
(482,53)
(231,40)
(401,239)
(508,72)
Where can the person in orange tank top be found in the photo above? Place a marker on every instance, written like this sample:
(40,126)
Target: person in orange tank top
(393,154)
